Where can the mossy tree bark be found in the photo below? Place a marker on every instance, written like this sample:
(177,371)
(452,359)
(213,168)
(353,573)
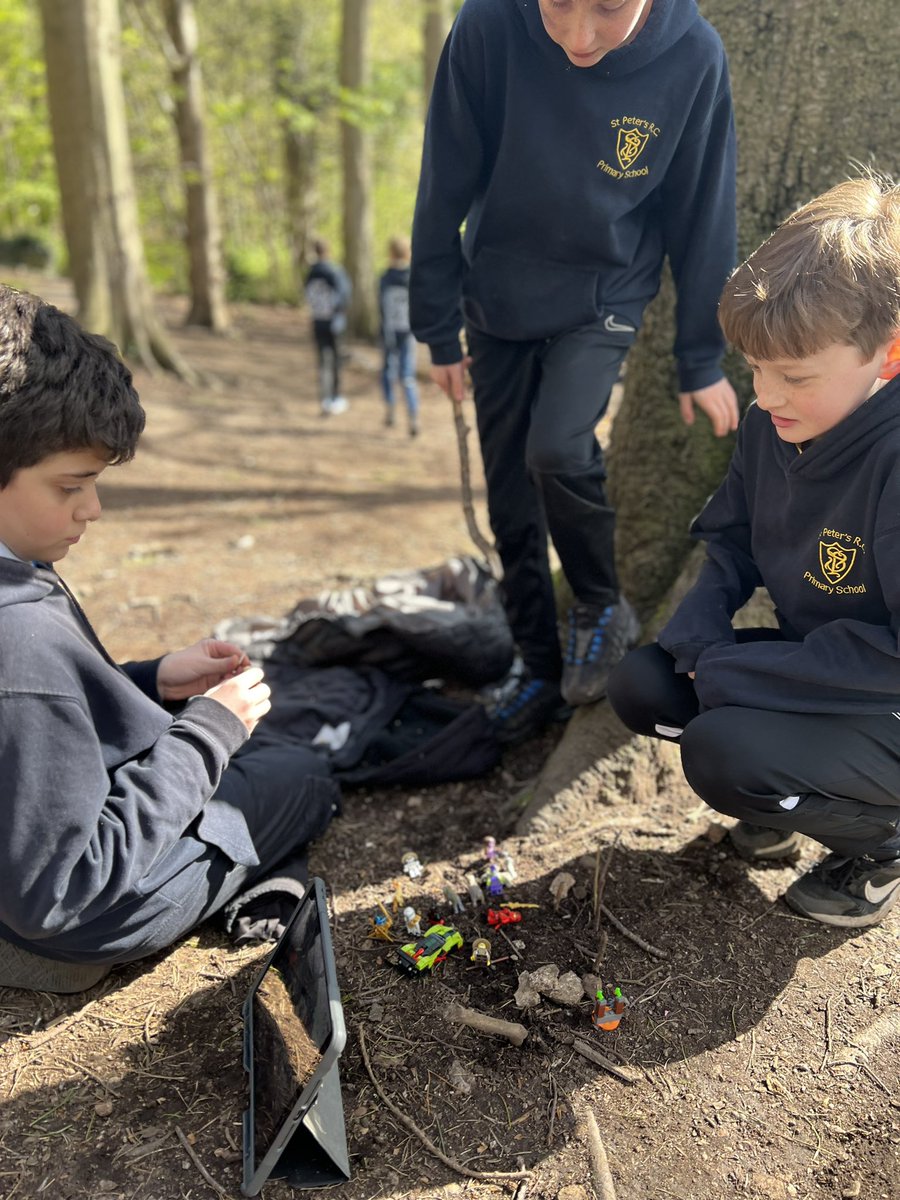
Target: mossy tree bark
(816,98)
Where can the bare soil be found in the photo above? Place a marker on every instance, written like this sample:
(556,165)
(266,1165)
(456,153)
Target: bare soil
(760,1050)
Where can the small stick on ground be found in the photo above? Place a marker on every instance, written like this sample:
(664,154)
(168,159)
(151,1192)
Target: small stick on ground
(420,1134)
(634,937)
(601,1060)
(601,1175)
(511,1030)
(600,880)
(192,1155)
(827,1054)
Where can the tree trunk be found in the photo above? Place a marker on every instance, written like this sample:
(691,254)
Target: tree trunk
(87,114)
(434,33)
(298,125)
(809,108)
(203,232)
(355,151)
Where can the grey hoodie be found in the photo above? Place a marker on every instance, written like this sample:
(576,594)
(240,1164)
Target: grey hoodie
(99,783)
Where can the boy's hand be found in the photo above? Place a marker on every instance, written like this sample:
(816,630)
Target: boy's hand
(246,695)
(451,379)
(718,401)
(198,668)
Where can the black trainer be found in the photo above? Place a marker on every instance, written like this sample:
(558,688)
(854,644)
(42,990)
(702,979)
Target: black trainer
(525,709)
(759,841)
(851,892)
(598,638)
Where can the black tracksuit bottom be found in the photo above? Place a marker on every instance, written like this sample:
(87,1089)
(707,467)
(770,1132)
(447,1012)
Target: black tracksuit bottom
(328,353)
(537,405)
(833,777)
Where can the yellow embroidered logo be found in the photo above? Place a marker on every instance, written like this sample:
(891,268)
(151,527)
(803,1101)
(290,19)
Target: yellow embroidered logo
(630,144)
(836,561)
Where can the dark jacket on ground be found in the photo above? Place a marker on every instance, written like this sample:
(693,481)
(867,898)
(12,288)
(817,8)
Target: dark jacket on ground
(821,531)
(99,782)
(575,183)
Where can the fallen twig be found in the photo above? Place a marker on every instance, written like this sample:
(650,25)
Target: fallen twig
(420,1134)
(601,1060)
(192,1155)
(600,880)
(589,1131)
(634,937)
(511,1030)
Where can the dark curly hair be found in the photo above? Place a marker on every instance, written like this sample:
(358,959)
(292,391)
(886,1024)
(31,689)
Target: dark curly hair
(60,388)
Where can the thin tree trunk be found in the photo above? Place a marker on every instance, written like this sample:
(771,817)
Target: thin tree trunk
(82,48)
(357,170)
(203,231)
(298,125)
(434,33)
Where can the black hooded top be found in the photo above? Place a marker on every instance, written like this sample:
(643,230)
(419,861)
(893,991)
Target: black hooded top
(575,183)
(821,531)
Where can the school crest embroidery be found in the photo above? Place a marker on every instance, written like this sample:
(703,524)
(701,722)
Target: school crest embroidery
(630,145)
(836,561)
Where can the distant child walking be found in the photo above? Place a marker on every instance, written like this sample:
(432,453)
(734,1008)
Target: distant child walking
(328,291)
(796,730)
(397,341)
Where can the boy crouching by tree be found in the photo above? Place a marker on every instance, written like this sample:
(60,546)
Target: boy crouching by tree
(796,730)
(133,804)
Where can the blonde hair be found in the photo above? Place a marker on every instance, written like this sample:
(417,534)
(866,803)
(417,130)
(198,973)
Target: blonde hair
(828,274)
(399,249)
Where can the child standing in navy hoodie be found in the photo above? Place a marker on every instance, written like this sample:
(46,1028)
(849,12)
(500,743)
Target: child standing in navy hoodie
(398,343)
(797,729)
(582,143)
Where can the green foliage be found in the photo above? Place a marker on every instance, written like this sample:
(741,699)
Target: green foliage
(242,50)
(29,200)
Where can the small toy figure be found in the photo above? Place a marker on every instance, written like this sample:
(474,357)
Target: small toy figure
(411,865)
(427,952)
(481,952)
(503,916)
(397,900)
(490,848)
(412,921)
(494,881)
(380,926)
(606,1014)
(476,895)
(453,898)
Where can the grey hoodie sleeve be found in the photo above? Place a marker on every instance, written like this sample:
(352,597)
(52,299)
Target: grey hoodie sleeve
(81,835)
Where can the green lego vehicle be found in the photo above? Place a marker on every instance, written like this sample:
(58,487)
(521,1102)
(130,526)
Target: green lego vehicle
(431,949)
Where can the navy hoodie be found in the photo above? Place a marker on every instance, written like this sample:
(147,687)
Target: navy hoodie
(821,531)
(575,183)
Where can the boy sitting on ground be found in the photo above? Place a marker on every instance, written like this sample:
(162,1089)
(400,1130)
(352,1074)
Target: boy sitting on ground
(795,729)
(123,824)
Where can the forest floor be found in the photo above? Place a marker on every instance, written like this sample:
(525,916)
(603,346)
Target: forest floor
(757,1058)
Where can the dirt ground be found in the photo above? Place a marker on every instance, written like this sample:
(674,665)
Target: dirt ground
(757,1057)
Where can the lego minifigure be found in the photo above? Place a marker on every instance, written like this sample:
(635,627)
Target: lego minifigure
(413,921)
(411,865)
(481,952)
(607,1014)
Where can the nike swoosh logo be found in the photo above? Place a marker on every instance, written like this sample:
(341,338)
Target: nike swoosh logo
(876,894)
(611,325)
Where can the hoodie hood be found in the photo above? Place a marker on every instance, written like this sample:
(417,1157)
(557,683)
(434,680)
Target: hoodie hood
(22,583)
(666,24)
(871,425)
